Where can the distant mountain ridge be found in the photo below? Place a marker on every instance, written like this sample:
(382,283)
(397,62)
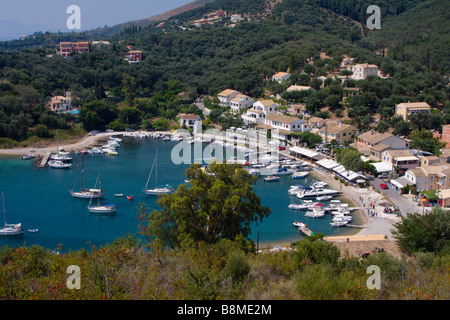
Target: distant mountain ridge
(156,18)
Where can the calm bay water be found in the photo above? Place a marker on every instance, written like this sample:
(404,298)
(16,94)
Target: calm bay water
(39,198)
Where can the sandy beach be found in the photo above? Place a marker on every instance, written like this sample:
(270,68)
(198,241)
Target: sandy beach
(82,143)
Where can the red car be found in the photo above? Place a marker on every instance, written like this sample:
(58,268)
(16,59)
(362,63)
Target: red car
(384,186)
(281,148)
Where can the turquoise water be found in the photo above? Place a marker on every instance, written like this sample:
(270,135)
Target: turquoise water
(40,199)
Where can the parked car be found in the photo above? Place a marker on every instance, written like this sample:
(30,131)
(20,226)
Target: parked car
(384,186)
(281,148)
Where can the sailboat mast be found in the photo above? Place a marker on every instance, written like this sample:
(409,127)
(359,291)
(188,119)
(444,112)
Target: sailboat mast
(82,172)
(156,167)
(4,211)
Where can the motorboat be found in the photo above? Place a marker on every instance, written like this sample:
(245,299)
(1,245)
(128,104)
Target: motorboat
(294,206)
(324,198)
(283,171)
(271,178)
(28,157)
(298,224)
(315,213)
(58,164)
(160,190)
(338,223)
(316,192)
(9,229)
(299,174)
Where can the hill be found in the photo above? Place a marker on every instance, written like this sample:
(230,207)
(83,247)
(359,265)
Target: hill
(157,18)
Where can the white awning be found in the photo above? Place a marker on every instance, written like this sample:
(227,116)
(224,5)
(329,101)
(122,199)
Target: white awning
(327,163)
(303,151)
(381,167)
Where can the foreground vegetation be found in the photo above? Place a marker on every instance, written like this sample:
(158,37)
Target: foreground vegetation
(178,255)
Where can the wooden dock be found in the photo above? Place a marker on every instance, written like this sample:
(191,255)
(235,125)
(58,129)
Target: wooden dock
(44,160)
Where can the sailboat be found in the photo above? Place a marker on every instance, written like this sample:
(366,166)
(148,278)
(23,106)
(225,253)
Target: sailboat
(9,229)
(61,155)
(84,193)
(158,190)
(101,207)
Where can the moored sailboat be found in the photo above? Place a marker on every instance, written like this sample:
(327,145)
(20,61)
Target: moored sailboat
(9,229)
(157,190)
(84,193)
(101,207)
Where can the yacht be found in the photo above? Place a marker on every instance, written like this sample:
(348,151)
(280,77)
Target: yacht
(283,171)
(316,192)
(58,164)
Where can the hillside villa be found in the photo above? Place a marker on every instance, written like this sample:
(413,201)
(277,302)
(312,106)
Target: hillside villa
(406,109)
(259,111)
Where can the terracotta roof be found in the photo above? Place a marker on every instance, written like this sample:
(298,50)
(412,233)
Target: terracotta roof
(227,92)
(266,102)
(280,74)
(282,118)
(414,105)
(374,137)
(335,127)
(189,117)
(379,147)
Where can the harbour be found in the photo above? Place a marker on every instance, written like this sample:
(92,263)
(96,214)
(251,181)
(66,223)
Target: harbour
(62,219)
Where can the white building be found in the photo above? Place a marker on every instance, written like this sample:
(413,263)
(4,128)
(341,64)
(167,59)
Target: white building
(189,120)
(299,88)
(280,76)
(362,71)
(240,102)
(59,104)
(226,96)
(260,110)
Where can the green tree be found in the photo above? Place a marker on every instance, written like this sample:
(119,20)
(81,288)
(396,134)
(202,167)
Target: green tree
(218,205)
(425,233)
(350,159)
(129,87)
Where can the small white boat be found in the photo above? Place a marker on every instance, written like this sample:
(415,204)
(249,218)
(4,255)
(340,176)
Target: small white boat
(28,157)
(33,230)
(84,193)
(271,178)
(58,164)
(298,224)
(299,174)
(338,223)
(324,198)
(315,213)
(294,206)
(119,195)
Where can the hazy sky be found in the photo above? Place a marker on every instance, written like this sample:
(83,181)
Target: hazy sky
(94,13)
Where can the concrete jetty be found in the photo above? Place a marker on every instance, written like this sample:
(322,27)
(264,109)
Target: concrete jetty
(44,160)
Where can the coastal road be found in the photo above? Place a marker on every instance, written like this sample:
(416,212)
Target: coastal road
(405,205)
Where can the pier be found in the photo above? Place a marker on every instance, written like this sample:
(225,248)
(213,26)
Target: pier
(44,160)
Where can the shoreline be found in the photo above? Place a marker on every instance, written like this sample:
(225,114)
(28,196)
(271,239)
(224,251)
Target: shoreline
(83,143)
